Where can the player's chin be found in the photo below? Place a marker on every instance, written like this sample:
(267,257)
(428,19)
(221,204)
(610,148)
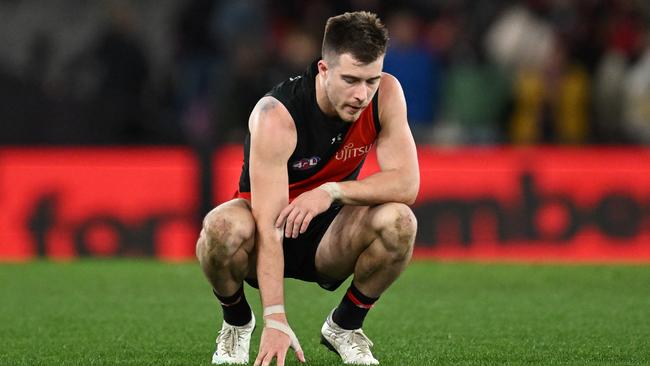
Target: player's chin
(348,116)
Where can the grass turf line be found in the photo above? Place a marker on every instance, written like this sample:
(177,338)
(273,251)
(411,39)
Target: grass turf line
(132,312)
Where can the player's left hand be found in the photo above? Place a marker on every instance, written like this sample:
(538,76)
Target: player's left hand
(274,344)
(299,213)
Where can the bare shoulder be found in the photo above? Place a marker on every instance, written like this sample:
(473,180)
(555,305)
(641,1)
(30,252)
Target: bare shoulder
(391,98)
(389,84)
(271,126)
(269,113)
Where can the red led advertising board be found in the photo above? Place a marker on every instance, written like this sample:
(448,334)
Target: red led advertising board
(63,203)
(553,204)
(539,204)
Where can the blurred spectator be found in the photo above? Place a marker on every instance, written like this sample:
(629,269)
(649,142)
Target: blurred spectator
(551,101)
(636,102)
(580,23)
(624,36)
(608,97)
(296,51)
(475,98)
(519,38)
(241,26)
(123,72)
(419,72)
(198,58)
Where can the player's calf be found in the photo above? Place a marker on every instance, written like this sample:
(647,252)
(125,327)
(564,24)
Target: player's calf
(394,227)
(224,252)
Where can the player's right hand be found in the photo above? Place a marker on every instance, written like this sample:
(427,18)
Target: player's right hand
(299,213)
(275,344)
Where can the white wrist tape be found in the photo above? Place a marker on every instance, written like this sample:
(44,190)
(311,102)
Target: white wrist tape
(274,309)
(333,189)
(274,324)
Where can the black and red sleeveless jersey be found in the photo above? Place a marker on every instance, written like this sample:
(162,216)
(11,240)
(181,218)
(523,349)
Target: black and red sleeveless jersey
(328,149)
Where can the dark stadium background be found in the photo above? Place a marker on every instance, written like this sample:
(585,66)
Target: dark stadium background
(121,125)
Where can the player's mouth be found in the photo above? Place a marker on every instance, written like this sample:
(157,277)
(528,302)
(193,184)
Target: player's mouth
(353,109)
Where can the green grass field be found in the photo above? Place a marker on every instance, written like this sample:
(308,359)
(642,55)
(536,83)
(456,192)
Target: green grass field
(128,312)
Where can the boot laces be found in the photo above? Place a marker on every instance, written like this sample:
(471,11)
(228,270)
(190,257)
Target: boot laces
(360,342)
(228,339)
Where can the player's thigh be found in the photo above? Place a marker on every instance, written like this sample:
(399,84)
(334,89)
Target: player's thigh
(343,242)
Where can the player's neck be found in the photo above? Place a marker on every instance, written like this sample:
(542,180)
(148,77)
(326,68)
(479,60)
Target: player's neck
(322,100)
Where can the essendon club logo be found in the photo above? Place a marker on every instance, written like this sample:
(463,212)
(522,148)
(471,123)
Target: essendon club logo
(305,163)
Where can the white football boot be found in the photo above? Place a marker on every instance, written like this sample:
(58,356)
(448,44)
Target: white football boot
(233,343)
(352,345)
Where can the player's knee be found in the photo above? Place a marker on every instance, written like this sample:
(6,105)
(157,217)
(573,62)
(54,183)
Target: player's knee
(396,225)
(223,234)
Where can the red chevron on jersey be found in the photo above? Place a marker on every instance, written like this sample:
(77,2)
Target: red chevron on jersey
(354,148)
(356,145)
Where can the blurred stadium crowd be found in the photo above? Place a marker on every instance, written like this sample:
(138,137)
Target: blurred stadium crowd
(189,71)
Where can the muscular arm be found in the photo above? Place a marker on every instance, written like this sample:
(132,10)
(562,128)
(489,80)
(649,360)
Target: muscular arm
(399,177)
(273,139)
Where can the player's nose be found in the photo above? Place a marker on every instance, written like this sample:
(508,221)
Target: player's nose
(360,94)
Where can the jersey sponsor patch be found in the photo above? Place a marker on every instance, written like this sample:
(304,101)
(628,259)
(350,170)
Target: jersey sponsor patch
(305,163)
(351,151)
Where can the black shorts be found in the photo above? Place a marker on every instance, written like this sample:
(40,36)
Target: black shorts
(300,253)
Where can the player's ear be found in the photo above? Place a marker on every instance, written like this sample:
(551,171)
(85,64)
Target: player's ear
(323,67)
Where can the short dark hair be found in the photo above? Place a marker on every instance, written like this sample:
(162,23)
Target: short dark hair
(361,34)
